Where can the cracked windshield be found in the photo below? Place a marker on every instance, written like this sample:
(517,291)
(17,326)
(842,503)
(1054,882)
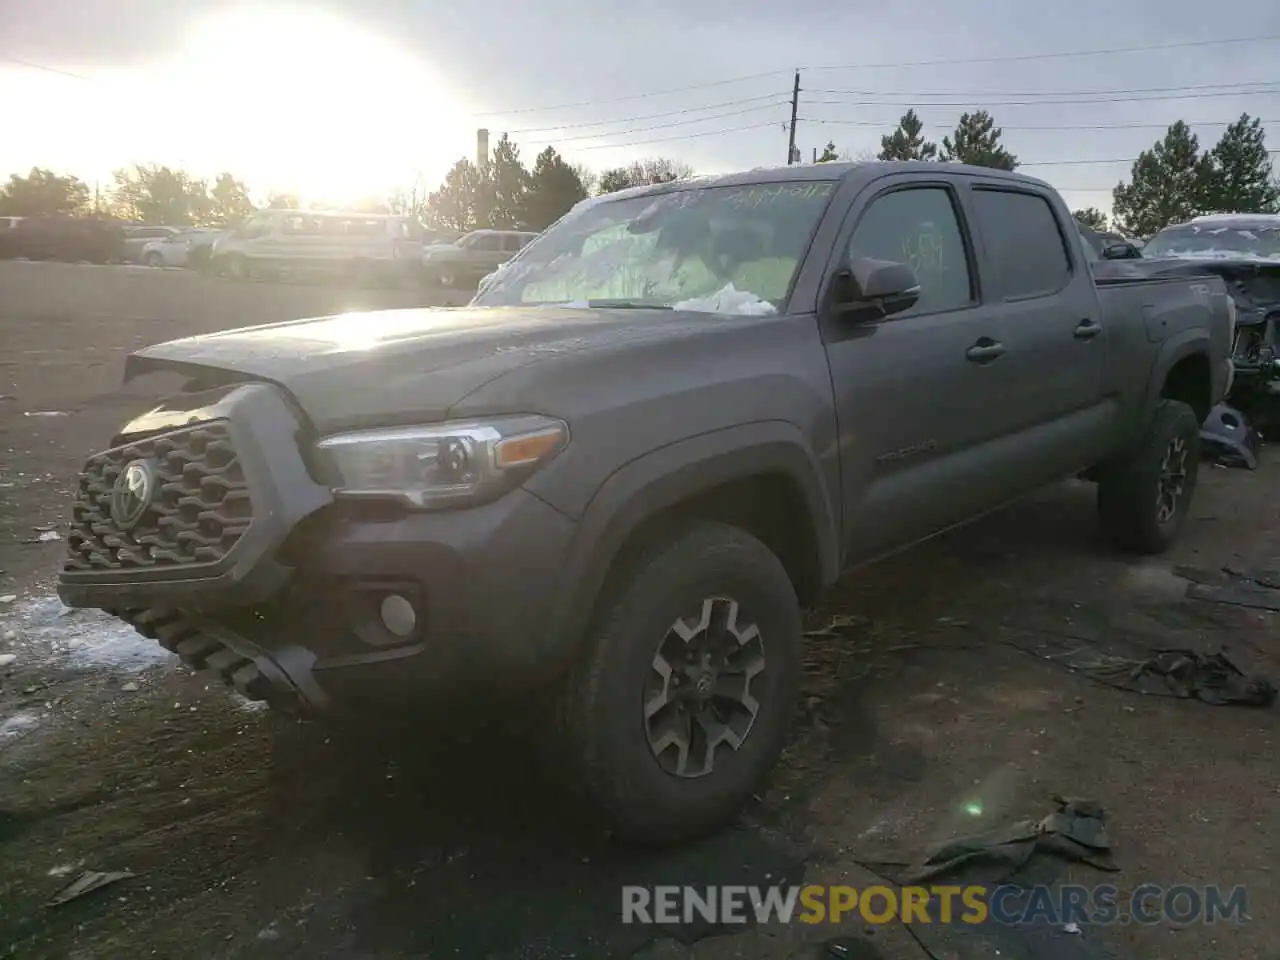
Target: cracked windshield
(639,481)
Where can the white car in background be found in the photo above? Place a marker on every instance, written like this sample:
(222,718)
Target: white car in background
(174,250)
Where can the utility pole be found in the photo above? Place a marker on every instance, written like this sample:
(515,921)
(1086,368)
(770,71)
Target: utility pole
(795,108)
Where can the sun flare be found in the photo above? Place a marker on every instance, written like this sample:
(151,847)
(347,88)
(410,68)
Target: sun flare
(308,103)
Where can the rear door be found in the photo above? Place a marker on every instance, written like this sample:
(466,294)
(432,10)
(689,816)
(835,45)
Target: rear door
(1055,340)
(913,390)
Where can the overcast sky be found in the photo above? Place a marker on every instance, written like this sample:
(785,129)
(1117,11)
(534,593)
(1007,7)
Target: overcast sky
(340,98)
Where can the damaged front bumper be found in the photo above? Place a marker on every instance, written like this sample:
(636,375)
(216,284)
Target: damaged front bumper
(244,566)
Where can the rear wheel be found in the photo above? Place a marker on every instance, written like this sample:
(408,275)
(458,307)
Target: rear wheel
(1144,499)
(447,276)
(687,687)
(237,268)
(155,260)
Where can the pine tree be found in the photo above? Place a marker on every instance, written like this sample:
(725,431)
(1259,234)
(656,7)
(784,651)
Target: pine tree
(829,153)
(554,187)
(454,205)
(503,190)
(977,142)
(1092,217)
(1240,177)
(1167,184)
(907,142)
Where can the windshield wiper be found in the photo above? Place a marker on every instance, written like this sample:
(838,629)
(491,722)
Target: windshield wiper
(626,305)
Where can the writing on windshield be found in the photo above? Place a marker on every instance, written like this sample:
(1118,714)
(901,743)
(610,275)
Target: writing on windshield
(671,248)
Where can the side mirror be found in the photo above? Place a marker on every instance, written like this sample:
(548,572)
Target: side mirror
(879,287)
(1120,251)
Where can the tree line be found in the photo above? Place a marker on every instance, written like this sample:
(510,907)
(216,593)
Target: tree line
(1171,182)
(501,193)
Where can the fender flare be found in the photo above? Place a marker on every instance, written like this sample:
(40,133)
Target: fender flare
(1177,348)
(643,487)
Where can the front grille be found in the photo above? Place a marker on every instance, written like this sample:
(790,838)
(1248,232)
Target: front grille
(199,510)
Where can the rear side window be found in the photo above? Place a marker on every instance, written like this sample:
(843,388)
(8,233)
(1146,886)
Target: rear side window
(489,241)
(918,226)
(1024,240)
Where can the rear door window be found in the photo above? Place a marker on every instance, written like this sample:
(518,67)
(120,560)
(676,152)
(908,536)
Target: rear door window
(1024,240)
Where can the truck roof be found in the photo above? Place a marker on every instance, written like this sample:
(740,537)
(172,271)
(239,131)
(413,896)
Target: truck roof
(867,169)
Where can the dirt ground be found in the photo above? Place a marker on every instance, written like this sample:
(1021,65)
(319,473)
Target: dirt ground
(925,717)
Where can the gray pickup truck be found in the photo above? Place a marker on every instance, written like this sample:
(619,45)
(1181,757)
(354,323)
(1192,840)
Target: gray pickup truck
(615,479)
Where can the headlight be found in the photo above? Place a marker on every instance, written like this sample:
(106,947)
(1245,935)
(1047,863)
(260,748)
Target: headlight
(444,464)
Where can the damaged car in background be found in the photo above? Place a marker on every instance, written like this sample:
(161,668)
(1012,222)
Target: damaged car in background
(1244,250)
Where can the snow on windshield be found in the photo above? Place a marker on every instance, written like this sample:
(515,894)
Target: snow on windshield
(728,300)
(716,249)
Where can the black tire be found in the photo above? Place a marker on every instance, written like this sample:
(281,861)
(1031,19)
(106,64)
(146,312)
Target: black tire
(236,267)
(155,260)
(1141,506)
(602,716)
(447,277)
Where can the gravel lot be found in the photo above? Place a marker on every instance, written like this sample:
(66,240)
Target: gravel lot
(250,836)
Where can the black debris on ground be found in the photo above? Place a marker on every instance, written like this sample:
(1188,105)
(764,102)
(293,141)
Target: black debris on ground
(1075,831)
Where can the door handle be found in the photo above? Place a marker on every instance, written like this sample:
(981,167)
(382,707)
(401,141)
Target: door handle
(985,350)
(1088,329)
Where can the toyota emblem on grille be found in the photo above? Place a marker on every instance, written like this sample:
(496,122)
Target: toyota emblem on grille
(131,494)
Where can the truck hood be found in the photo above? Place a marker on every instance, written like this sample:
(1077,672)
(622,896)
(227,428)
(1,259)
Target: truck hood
(412,365)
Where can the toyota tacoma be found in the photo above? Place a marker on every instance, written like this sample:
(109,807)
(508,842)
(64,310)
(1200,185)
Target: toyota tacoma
(654,437)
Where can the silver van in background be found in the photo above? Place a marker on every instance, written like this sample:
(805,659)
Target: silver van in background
(360,247)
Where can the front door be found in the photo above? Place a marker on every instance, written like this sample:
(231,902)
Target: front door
(913,390)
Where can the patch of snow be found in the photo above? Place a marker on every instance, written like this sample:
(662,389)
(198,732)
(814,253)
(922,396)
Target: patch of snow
(64,869)
(88,639)
(1216,254)
(19,725)
(49,535)
(729,300)
(8,659)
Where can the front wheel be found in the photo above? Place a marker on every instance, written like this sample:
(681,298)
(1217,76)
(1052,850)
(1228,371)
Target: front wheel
(155,260)
(688,684)
(1144,498)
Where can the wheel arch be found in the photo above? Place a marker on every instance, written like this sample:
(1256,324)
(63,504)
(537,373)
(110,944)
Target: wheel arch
(727,475)
(1183,371)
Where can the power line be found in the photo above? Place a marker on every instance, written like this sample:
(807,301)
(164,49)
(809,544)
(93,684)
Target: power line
(40,66)
(633,96)
(773,98)
(1012,58)
(1085,163)
(1041,103)
(1087,126)
(663,126)
(1056,55)
(1046,93)
(1022,57)
(687,136)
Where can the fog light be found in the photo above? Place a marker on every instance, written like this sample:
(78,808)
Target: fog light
(398,615)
